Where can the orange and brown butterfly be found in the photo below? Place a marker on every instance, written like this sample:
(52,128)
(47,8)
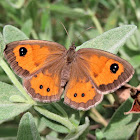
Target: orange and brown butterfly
(48,69)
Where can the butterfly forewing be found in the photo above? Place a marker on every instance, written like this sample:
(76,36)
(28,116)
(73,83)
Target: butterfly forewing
(28,56)
(107,71)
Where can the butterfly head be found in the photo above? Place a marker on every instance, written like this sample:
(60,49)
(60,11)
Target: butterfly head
(72,47)
(70,53)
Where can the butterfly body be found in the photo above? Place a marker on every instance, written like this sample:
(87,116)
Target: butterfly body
(47,68)
(71,54)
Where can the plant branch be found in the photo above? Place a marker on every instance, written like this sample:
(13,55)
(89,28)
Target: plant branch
(60,109)
(95,115)
(55,117)
(14,80)
(96,21)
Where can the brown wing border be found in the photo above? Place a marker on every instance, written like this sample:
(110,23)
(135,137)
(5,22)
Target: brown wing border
(11,59)
(123,78)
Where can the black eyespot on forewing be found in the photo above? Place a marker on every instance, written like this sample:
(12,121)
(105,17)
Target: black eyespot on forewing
(22,51)
(114,68)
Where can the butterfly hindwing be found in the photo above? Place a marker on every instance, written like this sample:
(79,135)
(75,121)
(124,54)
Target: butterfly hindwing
(28,56)
(107,71)
(80,92)
(45,85)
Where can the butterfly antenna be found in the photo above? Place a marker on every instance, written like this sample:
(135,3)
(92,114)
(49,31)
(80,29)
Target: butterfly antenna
(66,31)
(83,32)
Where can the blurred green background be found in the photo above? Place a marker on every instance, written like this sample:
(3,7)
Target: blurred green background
(40,19)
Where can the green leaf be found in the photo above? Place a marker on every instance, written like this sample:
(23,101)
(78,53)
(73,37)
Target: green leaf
(54,108)
(16,3)
(53,134)
(52,116)
(12,131)
(99,134)
(11,75)
(134,81)
(27,128)
(46,26)
(27,27)
(65,113)
(55,126)
(2,45)
(12,33)
(73,115)
(65,10)
(132,44)
(122,126)
(111,40)
(8,109)
(17,98)
(135,61)
(60,109)
(51,138)
(45,17)
(8,138)
(112,19)
(79,132)
(41,126)
(70,37)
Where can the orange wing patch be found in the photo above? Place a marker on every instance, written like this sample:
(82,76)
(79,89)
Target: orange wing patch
(80,91)
(96,64)
(102,73)
(107,71)
(44,87)
(29,56)
(34,57)
(81,95)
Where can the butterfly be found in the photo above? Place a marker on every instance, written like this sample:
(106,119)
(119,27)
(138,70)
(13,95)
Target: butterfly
(48,70)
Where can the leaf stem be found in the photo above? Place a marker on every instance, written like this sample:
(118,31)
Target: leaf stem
(14,80)
(110,98)
(60,109)
(96,21)
(55,117)
(95,115)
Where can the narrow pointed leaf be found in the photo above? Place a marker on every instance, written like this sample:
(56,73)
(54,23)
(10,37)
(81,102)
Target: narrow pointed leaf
(111,40)
(79,132)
